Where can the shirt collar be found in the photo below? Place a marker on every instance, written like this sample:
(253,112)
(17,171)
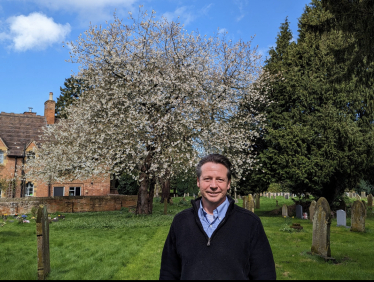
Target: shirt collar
(219,211)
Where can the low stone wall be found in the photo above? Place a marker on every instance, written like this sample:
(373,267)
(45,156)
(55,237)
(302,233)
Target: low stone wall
(67,204)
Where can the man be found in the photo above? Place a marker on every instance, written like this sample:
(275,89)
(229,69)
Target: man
(216,239)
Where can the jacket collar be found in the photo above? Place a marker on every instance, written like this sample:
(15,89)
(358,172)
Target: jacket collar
(196,205)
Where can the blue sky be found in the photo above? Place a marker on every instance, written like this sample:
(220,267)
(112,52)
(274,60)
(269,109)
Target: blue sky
(32,57)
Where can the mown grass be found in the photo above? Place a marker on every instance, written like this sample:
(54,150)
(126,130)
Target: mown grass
(121,245)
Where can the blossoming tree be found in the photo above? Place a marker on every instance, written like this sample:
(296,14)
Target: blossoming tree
(158,97)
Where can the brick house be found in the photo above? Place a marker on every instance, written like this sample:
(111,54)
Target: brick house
(19,134)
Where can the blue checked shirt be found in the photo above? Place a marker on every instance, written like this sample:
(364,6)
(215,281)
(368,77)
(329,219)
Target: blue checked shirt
(210,222)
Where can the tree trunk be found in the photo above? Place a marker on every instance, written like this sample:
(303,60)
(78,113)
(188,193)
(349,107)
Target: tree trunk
(165,186)
(146,189)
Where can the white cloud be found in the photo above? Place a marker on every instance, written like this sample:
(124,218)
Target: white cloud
(241,5)
(35,31)
(222,30)
(184,13)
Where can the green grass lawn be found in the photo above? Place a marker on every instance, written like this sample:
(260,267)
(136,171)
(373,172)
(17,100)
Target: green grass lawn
(120,245)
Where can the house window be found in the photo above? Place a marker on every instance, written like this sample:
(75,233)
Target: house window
(1,157)
(29,189)
(74,191)
(30,155)
(58,191)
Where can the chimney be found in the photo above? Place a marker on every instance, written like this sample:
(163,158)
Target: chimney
(49,109)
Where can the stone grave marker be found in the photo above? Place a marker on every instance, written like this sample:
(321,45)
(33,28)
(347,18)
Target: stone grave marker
(358,217)
(370,201)
(286,196)
(257,201)
(358,197)
(251,204)
(341,218)
(321,229)
(364,203)
(188,194)
(284,210)
(42,235)
(276,203)
(236,201)
(312,208)
(245,202)
(299,211)
(350,195)
(363,194)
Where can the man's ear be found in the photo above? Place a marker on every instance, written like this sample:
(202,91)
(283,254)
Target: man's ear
(229,185)
(198,182)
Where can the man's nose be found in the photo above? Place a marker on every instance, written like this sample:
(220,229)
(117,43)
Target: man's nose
(213,184)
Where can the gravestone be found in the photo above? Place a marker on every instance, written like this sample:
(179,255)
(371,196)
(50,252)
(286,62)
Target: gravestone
(370,201)
(245,202)
(312,208)
(188,194)
(236,201)
(284,210)
(321,228)
(358,217)
(257,201)
(363,194)
(341,218)
(42,235)
(276,203)
(350,195)
(358,197)
(251,204)
(299,211)
(286,196)
(364,203)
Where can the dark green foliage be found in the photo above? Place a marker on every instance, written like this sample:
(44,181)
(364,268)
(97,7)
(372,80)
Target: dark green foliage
(71,92)
(184,183)
(320,133)
(365,186)
(127,185)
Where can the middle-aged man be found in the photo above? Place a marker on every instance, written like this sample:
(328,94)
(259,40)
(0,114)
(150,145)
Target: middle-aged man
(216,239)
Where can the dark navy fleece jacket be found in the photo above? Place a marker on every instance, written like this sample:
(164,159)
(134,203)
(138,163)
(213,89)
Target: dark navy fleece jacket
(238,248)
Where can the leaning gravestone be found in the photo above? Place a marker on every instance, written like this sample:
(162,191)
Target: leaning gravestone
(42,235)
(363,194)
(251,204)
(257,201)
(341,218)
(358,217)
(312,208)
(299,211)
(370,201)
(284,210)
(321,228)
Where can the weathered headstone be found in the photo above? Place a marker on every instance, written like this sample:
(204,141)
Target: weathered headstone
(350,195)
(370,201)
(42,235)
(358,217)
(341,218)
(321,228)
(245,202)
(358,197)
(284,210)
(188,194)
(363,194)
(257,201)
(251,205)
(299,211)
(236,201)
(286,196)
(364,203)
(312,208)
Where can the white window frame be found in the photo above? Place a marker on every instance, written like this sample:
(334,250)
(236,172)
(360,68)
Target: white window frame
(2,157)
(29,186)
(73,191)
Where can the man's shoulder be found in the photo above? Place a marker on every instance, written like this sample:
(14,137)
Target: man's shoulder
(244,214)
(185,214)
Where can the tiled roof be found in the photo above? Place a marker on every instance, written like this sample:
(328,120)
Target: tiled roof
(18,130)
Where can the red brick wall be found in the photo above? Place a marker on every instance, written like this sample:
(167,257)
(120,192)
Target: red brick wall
(68,204)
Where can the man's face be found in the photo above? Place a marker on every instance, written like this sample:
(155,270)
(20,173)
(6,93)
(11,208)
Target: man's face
(213,183)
